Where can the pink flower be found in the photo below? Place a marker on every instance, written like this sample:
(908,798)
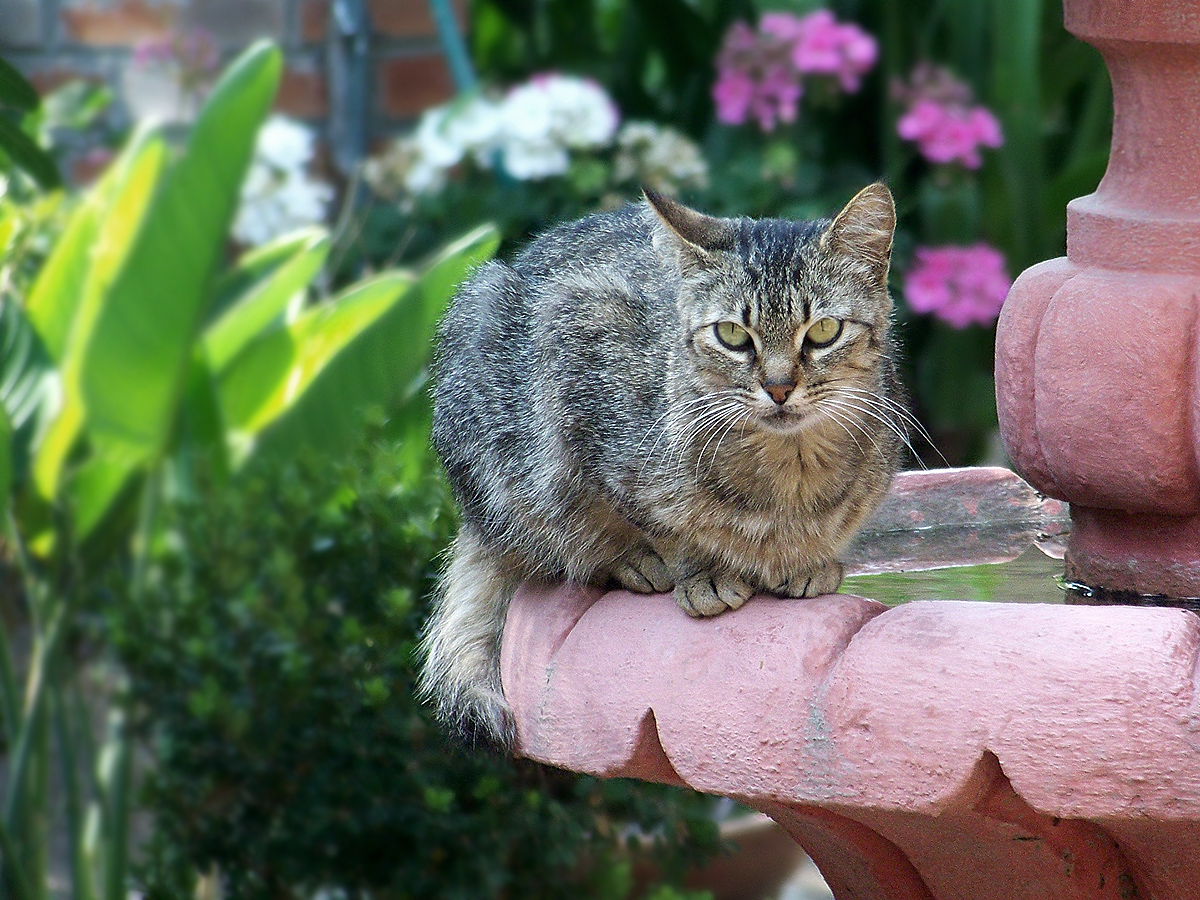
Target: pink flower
(824,46)
(733,94)
(760,73)
(941,121)
(959,285)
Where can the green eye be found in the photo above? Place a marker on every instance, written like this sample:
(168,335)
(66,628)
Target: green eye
(824,332)
(732,335)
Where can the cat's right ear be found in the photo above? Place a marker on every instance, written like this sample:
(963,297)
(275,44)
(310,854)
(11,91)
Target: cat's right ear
(695,235)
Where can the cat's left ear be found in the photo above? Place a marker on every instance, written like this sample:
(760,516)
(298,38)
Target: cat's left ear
(695,234)
(865,227)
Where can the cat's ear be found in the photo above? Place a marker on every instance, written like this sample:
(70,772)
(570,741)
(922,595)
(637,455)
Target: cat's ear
(696,234)
(865,227)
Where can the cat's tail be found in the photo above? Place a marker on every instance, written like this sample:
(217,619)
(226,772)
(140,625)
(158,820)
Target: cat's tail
(461,646)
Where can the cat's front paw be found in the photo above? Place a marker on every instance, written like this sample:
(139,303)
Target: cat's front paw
(706,594)
(643,572)
(814,582)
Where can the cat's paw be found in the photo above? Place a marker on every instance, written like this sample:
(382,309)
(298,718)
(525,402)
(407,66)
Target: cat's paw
(813,583)
(705,594)
(643,572)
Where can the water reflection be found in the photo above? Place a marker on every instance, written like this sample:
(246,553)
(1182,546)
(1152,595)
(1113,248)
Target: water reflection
(1033,577)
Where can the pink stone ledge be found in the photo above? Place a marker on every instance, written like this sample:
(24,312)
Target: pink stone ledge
(934,750)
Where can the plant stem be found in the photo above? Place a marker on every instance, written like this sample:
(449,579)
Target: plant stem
(81,877)
(13,873)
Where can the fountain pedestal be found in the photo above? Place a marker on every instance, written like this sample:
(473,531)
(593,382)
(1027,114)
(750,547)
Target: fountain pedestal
(1097,364)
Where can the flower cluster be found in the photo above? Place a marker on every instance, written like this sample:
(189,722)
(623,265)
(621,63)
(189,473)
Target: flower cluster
(960,285)
(529,134)
(942,119)
(278,194)
(658,157)
(760,74)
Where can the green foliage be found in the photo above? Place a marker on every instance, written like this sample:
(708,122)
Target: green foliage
(16,145)
(150,392)
(272,665)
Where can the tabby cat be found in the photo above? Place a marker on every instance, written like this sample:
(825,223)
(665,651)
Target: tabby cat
(660,400)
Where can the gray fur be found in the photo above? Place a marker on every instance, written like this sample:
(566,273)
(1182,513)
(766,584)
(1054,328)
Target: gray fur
(594,429)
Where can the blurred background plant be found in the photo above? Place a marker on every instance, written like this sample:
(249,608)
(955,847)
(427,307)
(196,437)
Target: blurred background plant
(220,513)
(771,107)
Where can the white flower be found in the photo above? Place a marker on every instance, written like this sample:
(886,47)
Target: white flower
(529,132)
(433,142)
(284,143)
(475,125)
(531,160)
(573,112)
(278,194)
(584,116)
(658,157)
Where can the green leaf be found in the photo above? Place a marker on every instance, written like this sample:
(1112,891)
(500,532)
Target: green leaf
(257,264)
(264,301)
(6,468)
(86,256)
(379,368)
(73,287)
(15,90)
(274,371)
(202,431)
(28,155)
(137,360)
(95,487)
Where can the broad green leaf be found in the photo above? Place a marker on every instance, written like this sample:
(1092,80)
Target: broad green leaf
(274,371)
(137,361)
(15,90)
(94,488)
(379,369)
(264,302)
(258,264)
(6,469)
(23,151)
(202,431)
(86,256)
(73,288)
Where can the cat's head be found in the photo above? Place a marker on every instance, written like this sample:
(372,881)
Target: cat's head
(787,319)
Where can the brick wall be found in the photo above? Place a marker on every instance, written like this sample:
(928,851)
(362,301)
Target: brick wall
(53,41)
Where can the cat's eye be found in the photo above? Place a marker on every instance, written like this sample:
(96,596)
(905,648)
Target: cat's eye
(823,332)
(732,335)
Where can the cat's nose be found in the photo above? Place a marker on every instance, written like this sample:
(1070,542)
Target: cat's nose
(779,391)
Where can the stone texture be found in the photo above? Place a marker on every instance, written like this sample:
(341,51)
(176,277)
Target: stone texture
(410,84)
(954,517)
(408,18)
(933,751)
(303,92)
(314,20)
(124,23)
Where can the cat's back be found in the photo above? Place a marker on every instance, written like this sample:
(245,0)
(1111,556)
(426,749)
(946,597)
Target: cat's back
(564,344)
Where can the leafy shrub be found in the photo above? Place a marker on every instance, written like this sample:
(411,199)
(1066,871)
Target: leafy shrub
(271,661)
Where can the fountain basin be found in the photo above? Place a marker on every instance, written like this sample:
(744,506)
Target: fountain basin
(937,749)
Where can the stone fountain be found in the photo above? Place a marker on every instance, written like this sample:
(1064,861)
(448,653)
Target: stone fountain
(955,750)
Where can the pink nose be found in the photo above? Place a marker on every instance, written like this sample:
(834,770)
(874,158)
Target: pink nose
(779,392)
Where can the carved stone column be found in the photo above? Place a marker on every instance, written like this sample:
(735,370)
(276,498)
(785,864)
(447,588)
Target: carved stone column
(1097,364)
